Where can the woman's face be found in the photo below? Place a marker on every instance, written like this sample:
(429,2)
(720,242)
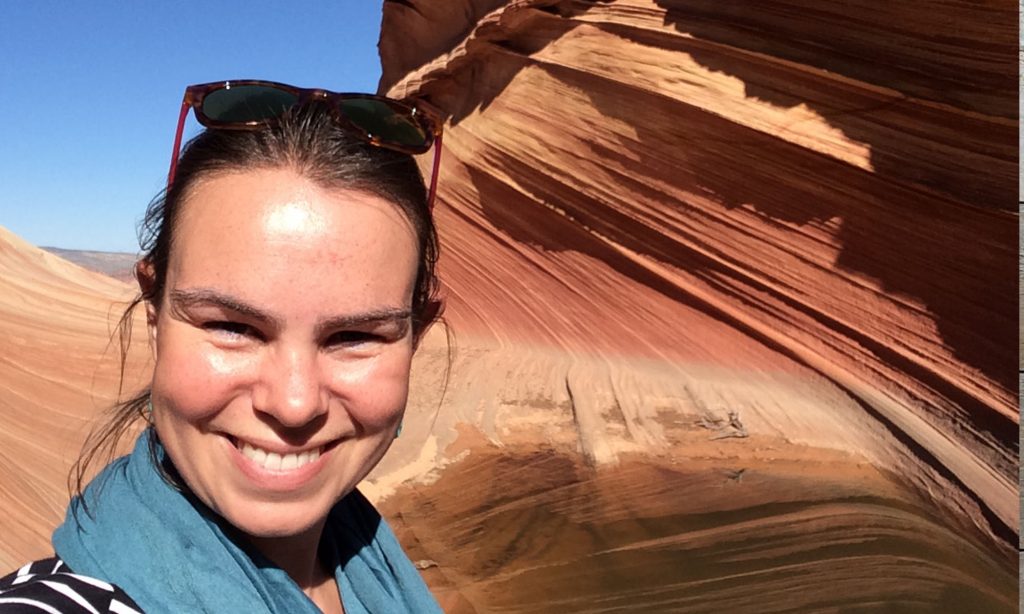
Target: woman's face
(283,344)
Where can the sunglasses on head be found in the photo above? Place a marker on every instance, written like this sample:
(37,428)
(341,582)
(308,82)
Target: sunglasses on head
(406,126)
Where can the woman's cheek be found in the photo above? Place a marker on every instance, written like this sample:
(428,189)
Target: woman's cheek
(376,390)
(201,381)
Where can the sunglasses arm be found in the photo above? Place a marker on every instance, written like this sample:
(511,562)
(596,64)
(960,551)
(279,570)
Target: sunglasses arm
(433,175)
(185,106)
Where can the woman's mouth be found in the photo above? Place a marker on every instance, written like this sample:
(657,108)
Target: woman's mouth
(279,469)
(272,461)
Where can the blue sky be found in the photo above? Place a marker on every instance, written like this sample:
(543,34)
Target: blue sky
(90,93)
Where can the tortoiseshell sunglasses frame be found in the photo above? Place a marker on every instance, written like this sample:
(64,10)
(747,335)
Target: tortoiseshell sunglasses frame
(420,112)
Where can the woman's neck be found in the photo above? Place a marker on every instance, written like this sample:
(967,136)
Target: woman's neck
(298,556)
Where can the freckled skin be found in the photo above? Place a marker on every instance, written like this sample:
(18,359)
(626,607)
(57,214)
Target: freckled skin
(302,254)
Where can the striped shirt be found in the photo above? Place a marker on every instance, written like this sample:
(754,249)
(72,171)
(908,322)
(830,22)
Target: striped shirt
(50,586)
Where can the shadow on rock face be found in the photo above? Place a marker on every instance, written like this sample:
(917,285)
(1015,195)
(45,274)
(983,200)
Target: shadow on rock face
(964,153)
(929,221)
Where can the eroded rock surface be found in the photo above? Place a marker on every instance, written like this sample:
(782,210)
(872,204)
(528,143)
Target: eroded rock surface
(542,532)
(652,211)
(58,372)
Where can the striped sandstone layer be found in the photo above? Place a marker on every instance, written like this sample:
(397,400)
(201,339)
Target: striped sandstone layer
(57,372)
(657,212)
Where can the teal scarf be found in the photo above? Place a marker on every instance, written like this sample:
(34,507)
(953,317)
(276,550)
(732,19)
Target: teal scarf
(170,553)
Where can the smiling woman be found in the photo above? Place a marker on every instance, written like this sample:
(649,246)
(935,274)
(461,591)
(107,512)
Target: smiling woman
(287,279)
(280,342)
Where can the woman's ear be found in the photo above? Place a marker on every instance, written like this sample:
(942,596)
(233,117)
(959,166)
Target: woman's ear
(145,275)
(432,311)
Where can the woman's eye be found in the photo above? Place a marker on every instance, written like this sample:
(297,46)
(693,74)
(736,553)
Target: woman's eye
(231,328)
(353,337)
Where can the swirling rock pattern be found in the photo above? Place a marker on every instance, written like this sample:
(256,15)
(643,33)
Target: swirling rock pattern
(659,212)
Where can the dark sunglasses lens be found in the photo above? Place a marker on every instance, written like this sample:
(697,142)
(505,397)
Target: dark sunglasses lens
(247,103)
(393,125)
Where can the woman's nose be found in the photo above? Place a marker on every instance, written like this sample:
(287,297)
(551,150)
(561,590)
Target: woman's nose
(290,389)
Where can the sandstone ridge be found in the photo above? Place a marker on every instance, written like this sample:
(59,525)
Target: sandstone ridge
(652,211)
(58,371)
(641,178)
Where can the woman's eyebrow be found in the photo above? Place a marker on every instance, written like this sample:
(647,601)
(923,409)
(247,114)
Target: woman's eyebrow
(389,314)
(204,297)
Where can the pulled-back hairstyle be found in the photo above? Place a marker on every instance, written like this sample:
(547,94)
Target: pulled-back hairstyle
(307,141)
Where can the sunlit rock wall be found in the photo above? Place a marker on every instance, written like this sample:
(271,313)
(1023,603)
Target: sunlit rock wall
(817,192)
(59,369)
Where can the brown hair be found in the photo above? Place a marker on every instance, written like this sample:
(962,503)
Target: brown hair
(308,141)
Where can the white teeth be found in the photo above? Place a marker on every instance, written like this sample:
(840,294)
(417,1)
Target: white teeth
(276,462)
(273,461)
(289,462)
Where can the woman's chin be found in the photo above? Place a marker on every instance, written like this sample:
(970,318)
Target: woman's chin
(277,520)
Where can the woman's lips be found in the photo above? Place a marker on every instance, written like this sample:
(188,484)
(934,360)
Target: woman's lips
(275,470)
(272,461)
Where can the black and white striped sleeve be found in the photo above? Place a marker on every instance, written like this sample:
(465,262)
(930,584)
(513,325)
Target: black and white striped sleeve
(50,586)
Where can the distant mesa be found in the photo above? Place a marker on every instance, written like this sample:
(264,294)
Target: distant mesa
(119,265)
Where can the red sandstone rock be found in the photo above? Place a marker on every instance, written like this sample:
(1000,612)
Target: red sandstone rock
(792,192)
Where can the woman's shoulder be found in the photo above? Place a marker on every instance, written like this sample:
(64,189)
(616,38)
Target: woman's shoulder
(50,586)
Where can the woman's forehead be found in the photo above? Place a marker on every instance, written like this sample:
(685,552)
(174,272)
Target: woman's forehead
(279,204)
(272,224)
